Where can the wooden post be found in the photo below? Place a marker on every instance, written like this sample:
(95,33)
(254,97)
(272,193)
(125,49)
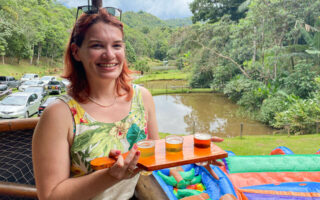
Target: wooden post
(194,127)
(241,130)
(288,127)
(317,127)
(97,3)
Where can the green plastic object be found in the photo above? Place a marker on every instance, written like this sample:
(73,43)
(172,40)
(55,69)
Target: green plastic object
(175,193)
(188,175)
(196,179)
(187,192)
(183,184)
(274,163)
(170,180)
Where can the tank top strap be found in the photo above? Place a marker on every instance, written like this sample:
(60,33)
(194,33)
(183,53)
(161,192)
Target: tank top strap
(137,102)
(138,106)
(76,110)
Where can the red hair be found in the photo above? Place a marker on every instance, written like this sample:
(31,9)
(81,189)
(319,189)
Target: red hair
(74,70)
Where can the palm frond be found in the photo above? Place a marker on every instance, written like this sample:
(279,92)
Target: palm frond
(244,6)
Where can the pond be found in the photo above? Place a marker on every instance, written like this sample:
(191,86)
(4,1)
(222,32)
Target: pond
(203,112)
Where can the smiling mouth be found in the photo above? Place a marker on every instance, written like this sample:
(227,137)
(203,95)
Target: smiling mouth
(108,65)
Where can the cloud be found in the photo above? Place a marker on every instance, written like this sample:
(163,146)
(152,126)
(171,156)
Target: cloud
(164,9)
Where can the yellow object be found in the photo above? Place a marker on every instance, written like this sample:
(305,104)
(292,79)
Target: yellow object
(200,187)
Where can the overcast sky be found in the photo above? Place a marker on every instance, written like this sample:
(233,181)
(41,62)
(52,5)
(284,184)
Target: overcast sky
(164,9)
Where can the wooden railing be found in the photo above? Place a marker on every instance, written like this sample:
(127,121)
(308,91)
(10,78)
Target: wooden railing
(13,189)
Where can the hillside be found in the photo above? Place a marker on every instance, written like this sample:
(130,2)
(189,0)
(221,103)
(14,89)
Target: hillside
(139,20)
(178,22)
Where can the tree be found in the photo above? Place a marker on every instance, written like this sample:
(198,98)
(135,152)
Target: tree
(130,53)
(142,66)
(213,10)
(312,37)
(161,50)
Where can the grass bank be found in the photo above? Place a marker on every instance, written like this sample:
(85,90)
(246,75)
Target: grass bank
(263,145)
(155,92)
(163,75)
(17,71)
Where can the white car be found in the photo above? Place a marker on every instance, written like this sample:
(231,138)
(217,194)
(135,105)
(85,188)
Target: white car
(29,83)
(45,104)
(19,105)
(27,77)
(66,82)
(39,90)
(46,79)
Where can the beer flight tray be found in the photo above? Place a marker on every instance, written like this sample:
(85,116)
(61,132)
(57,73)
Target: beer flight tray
(161,159)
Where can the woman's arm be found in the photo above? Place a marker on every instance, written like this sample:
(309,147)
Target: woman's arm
(51,160)
(151,111)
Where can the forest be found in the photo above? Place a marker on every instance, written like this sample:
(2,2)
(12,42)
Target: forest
(262,54)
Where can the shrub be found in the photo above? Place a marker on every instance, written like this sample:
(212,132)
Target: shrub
(221,75)
(271,106)
(301,81)
(238,86)
(301,115)
(201,77)
(252,99)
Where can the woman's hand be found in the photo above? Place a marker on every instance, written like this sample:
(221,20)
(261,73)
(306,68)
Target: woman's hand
(215,162)
(124,168)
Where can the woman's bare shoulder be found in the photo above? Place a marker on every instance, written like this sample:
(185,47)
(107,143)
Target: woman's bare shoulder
(147,98)
(145,92)
(57,108)
(56,115)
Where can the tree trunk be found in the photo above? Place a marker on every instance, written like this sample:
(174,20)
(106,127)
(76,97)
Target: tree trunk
(262,40)
(254,46)
(52,55)
(275,71)
(292,62)
(31,58)
(234,62)
(39,53)
(2,59)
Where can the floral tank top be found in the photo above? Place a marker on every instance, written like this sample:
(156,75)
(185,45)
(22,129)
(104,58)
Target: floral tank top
(94,139)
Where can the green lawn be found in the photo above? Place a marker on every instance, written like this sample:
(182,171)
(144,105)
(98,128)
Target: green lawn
(179,90)
(17,71)
(164,75)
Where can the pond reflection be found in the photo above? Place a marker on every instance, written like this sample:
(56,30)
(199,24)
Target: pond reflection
(203,112)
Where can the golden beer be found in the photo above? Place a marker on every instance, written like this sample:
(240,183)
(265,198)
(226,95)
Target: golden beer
(174,143)
(202,140)
(146,148)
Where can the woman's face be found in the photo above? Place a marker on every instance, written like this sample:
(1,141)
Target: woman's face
(102,52)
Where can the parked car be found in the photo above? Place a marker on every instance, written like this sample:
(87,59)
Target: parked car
(27,77)
(56,87)
(10,81)
(45,104)
(19,105)
(29,83)
(46,79)
(39,90)
(4,90)
(66,82)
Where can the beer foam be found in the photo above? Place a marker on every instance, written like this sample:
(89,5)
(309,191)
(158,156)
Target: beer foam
(145,144)
(174,141)
(202,136)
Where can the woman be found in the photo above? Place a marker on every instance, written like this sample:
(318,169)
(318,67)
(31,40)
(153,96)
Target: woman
(102,115)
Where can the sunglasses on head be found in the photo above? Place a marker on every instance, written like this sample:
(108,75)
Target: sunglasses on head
(93,10)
